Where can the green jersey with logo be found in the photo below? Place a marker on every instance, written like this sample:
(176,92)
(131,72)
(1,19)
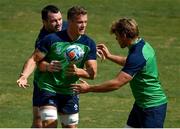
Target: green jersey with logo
(54,46)
(141,65)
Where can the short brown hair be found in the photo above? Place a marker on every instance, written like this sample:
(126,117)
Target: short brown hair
(125,26)
(74,11)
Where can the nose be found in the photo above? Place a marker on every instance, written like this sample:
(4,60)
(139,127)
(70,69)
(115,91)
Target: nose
(58,22)
(84,24)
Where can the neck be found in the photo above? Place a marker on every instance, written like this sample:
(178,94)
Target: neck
(73,36)
(135,40)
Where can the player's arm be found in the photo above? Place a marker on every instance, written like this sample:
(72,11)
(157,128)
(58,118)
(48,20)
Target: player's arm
(53,66)
(27,70)
(121,79)
(89,72)
(104,52)
(38,56)
(117,59)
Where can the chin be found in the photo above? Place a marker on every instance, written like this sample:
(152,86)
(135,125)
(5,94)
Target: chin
(82,33)
(58,29)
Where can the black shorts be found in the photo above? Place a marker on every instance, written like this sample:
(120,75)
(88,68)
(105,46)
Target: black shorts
(67,104)
(152,117)
(36,92)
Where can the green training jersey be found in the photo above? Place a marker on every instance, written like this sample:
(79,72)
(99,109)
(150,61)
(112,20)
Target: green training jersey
(54,47)
(141,65)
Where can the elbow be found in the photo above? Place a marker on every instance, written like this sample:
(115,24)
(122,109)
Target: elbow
(91,72)
(40,67)
(92,75)
(43,66)
(115,85)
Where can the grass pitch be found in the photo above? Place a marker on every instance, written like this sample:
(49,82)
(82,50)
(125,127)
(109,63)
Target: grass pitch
(159,24)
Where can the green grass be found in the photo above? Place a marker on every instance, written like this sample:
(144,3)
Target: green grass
(159,24)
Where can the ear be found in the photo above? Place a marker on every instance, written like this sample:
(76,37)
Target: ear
(44,22)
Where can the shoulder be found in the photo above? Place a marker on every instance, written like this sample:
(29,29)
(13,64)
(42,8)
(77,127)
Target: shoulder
(135,60)
(143,49)
(49,39)
(87,39)
(148,51)
(135,55)
(41,35)
(64,25)
(52,37)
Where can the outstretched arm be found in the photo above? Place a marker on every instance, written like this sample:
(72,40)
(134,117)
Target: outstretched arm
(103,50)
(121,79)
(28,68)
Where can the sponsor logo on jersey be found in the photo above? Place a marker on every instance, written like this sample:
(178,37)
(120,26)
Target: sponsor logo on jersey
(58,51)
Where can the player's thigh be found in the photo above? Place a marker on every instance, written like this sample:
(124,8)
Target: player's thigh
(154,117)
(37,123)
(134,119)
(48,105)
(48,110)
(36,112)
(69,112)
(36,94)
(68,104)
(49,116)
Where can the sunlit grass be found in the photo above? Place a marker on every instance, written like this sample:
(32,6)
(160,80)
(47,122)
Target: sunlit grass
(158,20)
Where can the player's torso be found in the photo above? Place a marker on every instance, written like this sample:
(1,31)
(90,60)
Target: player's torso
(145,85)
(43,32)
(59,81)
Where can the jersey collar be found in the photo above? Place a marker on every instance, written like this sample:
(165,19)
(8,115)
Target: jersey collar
(135,42)
(72,41)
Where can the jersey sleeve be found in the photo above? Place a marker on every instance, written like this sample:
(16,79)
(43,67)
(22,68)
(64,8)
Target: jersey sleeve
(64,25)
(43,32)
(92,52)
(39,38)
(37,42)
(44,44)
(134,63)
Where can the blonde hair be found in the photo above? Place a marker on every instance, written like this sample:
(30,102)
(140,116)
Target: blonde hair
(126,26)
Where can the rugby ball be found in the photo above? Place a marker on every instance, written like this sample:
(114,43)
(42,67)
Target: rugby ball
(74,53)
